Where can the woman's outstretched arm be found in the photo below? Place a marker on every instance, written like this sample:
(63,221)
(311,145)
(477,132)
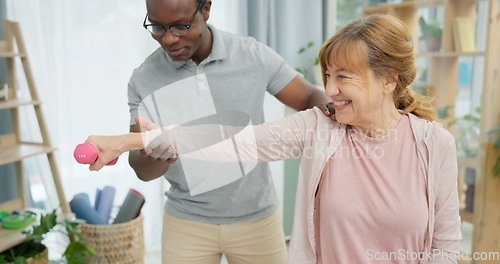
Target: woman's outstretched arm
(110,147)
(278,140)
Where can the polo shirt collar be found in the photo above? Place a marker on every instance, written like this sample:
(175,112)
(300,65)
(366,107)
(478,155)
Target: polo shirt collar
(218,46)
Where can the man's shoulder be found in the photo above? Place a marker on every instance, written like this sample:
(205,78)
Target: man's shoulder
(237,41)
(154,58)
(152,62)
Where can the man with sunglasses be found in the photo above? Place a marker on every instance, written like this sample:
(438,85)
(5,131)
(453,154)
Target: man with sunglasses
(197,72)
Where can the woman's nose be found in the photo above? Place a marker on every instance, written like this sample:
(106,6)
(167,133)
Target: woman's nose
(331,89)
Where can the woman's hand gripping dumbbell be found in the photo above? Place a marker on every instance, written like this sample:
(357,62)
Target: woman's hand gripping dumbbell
(99,151)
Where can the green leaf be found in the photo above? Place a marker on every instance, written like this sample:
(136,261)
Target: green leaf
(444,112)
(497,143)
(76,252)
(430,29)
(478,110)
(496,168)
(494,130)
(20,260)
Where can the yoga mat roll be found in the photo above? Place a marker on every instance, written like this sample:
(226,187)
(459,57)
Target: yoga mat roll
(104,202)
(131,207)
(80,205)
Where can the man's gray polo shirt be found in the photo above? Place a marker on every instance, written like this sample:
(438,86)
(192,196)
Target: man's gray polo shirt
(234,77)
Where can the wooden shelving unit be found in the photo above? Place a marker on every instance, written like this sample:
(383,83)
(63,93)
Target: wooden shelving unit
(12,149)
(15,103)
(442,79)
(463,165)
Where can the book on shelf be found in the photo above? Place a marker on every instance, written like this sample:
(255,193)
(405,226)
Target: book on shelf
(463,34)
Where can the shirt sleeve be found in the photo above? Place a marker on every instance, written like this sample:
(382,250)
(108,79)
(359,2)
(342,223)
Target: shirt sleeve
(276,69)
(447,224)
(134,99)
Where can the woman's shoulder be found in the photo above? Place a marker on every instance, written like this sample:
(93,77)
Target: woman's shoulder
(432,130)
(315,114)
(310,120)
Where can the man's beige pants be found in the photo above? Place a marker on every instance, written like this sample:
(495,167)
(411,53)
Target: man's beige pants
(255,242)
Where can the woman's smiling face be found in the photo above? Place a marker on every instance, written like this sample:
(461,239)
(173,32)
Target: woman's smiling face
(356,96)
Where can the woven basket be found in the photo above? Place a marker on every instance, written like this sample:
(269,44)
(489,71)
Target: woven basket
(118,243)
(42,258)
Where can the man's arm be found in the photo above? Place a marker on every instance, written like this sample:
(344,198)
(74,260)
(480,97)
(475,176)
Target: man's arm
(299,94)
(146,167)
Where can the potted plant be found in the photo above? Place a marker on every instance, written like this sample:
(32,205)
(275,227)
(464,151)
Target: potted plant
(33,251)
(431,34)
(466,131)
(494,138)
(313,62)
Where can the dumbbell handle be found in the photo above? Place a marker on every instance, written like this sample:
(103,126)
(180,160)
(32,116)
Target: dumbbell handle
(87,153)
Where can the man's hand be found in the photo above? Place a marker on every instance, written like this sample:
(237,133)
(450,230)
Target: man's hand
(157,149)
(328,110)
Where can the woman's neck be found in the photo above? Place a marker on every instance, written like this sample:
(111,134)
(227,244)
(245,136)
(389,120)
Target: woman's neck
(381,125)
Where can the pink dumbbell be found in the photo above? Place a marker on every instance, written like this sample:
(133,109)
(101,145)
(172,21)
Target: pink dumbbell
(86,153)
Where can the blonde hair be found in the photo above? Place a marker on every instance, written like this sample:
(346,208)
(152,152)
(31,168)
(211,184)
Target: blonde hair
(380,43)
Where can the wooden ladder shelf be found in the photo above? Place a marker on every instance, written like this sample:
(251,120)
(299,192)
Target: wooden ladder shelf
(12,149)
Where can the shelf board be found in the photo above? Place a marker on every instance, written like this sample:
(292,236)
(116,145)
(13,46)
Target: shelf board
(469,162)
(8,54)
(10,238)
(449,54)
(17,152)
(407,4)
(13,103)
(12,205)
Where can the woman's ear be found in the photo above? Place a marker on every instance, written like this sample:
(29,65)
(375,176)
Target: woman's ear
(390,82)
(206,10)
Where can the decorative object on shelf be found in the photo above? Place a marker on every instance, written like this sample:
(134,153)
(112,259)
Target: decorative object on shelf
(432,34)
(4,92)
(33,250)
(18,221)
(463,34)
